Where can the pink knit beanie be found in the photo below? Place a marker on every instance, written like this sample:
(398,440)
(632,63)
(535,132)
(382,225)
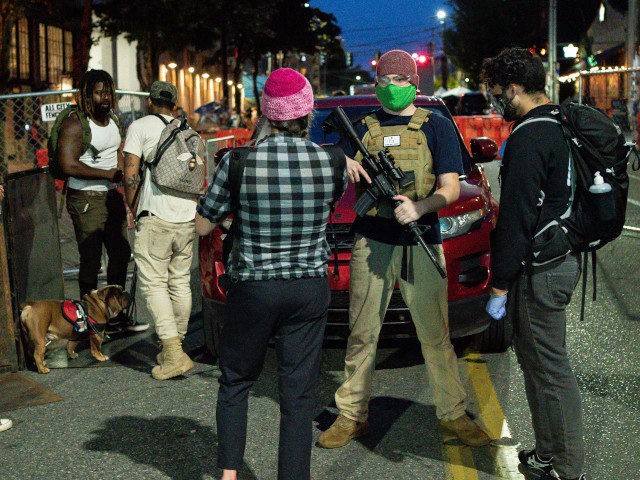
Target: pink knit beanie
(287,94)
(398,62)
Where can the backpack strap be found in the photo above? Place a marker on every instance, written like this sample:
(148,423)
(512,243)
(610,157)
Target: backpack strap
(338,163)
(164,120)
(237,162)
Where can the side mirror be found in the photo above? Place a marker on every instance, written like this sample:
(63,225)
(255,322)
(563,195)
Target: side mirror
(483,149)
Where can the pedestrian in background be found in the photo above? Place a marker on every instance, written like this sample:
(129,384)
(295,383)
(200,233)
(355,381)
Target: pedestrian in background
(163,246)
(536,190)
(383,253)
(96,207)
(278,269)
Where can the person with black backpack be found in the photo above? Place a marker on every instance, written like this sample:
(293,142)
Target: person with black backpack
(537,189)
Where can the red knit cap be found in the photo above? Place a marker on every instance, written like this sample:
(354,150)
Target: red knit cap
(398,62)
(287,94)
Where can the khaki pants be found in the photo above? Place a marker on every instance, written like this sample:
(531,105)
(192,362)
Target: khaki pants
(375,267)
(163,253)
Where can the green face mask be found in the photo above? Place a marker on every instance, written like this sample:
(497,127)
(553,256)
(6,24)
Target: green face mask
(396,98)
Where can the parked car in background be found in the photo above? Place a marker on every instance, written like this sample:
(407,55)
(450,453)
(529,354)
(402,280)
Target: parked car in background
(465,227)
(472,103)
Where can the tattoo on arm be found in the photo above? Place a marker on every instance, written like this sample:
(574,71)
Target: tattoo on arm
(134,181)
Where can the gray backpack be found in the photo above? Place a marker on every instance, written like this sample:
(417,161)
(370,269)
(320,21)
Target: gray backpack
(178,165)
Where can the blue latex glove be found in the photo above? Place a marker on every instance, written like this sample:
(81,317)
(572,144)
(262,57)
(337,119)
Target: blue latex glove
(496,306)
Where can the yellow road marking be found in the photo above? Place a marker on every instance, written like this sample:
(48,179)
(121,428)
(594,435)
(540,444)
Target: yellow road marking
(459,461)
(504,452)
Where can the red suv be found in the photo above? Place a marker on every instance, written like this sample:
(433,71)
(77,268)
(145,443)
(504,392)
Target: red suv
(465,227)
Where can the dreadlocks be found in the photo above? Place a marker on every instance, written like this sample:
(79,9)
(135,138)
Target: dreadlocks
(84,97)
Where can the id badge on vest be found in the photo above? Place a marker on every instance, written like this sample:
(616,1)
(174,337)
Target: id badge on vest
(391,141)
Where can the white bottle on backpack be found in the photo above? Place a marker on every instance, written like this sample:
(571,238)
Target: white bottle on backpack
(599,185)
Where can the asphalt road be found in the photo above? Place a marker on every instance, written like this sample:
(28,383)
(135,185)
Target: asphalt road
(116,422)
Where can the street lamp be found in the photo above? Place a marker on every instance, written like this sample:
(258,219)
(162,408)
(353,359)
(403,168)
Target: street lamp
(441,15)
(172,65)
(358,78)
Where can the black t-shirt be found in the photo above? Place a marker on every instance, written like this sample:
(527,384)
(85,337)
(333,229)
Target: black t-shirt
(447,158)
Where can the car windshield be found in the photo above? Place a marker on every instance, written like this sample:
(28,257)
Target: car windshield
(321,114)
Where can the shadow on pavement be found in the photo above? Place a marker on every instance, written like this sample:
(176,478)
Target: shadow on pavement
(179,447)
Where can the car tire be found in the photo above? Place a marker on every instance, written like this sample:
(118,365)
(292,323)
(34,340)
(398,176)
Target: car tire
(212,326)
(496,338)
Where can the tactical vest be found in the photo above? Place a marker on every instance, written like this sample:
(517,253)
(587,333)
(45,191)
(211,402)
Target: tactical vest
(411,154)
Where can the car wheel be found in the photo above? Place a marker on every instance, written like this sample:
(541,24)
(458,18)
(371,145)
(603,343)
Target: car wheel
(212,326)
(496,338)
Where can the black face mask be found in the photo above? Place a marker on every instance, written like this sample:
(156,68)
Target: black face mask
(504,107)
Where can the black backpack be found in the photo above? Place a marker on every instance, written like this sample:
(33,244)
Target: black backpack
(597,145)
(592,220)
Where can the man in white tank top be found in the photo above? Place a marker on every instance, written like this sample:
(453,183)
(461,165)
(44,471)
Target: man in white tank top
(163,247)
(96,208)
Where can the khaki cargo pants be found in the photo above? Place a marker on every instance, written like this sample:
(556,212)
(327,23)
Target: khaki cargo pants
(375,267)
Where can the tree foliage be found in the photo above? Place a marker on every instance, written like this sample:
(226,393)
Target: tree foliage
(478,30)
(247,28)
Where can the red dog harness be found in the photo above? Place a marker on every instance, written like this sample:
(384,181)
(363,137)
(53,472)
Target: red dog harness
(75,312)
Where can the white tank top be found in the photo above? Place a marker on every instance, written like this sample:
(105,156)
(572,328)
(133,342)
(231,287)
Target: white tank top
(107,141)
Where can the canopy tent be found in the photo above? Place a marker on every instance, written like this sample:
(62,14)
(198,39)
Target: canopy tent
(208,108)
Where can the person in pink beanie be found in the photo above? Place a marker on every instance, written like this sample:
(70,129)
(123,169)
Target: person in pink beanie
(280,193)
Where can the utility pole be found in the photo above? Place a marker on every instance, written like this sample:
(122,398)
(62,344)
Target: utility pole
(553,51)
(632,34)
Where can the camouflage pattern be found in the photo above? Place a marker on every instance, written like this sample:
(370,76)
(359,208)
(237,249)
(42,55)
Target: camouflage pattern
(164,91)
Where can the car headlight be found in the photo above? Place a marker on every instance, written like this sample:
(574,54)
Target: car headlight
(457,225)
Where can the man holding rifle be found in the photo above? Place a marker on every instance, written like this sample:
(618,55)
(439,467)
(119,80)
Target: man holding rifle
(424,146)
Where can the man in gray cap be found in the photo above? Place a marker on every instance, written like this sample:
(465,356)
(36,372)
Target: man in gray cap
(164,235)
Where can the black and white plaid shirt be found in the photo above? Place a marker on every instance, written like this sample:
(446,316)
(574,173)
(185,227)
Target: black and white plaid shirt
(284,205)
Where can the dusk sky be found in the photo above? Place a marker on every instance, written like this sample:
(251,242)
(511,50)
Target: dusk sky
(370,25)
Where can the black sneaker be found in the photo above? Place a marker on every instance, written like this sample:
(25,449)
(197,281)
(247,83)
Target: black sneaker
(535,468)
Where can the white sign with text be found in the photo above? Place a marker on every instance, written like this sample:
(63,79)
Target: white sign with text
(50,111)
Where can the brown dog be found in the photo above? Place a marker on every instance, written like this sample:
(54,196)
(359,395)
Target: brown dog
(45,317)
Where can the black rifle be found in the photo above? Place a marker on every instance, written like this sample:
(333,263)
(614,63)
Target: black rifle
(383,173)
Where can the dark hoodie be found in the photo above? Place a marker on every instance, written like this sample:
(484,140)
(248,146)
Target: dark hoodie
(534,190)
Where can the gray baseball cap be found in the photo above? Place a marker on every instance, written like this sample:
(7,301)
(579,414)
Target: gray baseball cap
(164,91)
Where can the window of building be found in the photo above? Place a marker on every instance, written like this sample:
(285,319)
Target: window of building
(55,54)
(23,48)
(13,55)
(68,51)
(43,51)
(601,13)
(56,50)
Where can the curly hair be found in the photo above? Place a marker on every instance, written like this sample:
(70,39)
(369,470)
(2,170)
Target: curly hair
(514,65)
(84,97)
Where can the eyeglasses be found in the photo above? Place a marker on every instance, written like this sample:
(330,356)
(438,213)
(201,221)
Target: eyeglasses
(395,79)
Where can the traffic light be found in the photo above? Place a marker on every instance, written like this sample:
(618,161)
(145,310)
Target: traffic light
(422,60)
(374,62)
(348,58)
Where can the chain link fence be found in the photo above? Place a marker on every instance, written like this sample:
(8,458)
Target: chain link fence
(26,120)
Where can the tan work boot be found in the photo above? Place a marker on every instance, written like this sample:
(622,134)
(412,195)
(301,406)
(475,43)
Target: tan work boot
(341,432)
(160,355)
(466,430)
(174,362)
